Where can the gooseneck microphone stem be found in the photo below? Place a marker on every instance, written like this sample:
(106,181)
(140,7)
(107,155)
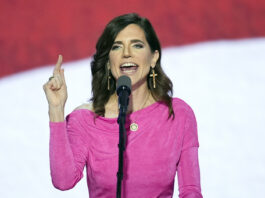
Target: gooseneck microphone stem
(123,91)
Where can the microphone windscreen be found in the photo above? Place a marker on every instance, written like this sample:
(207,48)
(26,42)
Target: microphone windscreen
(124,81)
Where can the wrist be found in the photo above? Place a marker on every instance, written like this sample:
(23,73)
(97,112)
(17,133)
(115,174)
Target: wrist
(56,113)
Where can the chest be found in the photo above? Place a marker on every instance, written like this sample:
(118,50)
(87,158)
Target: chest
(150,158)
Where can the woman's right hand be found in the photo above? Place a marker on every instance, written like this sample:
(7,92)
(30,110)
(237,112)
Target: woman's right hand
(55,89)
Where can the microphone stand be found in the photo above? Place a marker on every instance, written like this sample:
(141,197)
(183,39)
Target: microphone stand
(122,138)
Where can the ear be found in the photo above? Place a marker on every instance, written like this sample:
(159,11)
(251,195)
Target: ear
(155,58)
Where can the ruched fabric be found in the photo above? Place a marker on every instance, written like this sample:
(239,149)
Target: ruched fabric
(154,153)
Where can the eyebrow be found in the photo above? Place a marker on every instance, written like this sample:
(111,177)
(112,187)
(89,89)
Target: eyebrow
(132,41)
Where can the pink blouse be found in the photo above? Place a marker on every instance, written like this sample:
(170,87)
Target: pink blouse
(153,154)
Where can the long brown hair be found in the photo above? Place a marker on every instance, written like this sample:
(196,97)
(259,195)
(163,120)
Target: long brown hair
(100,94)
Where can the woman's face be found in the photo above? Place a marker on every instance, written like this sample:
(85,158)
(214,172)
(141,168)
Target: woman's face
(131,55)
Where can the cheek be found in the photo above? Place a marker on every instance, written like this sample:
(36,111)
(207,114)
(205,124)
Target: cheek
(147,58)
(114,72)
(113,66)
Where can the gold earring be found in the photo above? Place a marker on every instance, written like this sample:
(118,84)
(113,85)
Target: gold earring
(109,79)
(108,68)
(153,74)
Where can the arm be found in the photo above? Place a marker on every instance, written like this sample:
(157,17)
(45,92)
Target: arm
(67,150)
(188,166)
(67,153)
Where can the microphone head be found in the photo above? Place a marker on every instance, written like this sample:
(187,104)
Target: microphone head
(124,82)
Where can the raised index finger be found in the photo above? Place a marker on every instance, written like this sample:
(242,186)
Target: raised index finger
(58,65)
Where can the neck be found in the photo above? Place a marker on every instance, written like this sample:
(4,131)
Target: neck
(140,97)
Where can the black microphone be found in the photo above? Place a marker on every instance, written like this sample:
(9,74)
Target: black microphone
(123,91)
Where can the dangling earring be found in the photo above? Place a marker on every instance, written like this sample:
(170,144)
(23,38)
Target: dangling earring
(109,79)
(153,74)
(108,76)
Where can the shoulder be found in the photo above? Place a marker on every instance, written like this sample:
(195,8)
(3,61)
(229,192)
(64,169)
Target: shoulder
(81,112)
(87,106)
(181,107)
(178,103)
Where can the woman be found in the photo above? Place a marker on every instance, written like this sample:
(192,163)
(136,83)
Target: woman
(161,130)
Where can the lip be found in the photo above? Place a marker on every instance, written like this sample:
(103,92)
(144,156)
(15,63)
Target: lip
(127,70)
(128,63)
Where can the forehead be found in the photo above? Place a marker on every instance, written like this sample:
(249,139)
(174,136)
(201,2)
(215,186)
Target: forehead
(131,32)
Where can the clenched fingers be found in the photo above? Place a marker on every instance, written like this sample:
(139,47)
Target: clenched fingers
(55,83)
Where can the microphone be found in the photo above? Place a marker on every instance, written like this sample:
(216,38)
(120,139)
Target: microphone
(123,91)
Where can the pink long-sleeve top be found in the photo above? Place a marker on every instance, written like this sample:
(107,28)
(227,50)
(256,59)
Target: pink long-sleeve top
(154,153)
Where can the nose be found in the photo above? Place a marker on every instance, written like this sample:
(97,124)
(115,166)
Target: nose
(126,52)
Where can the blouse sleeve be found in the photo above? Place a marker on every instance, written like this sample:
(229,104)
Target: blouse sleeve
(67,153)
(188,167)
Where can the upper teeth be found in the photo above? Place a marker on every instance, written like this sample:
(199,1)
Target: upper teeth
(128,64)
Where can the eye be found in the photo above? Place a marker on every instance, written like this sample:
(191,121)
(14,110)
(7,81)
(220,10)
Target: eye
(138,45)
(115,47)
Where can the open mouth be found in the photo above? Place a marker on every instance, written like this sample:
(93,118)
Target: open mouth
(128,67)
